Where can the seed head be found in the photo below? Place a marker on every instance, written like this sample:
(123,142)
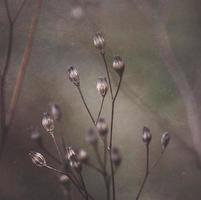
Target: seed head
(73,158)
(165,139)
(48,123)
(99,41)
(64,180)
(55,112)
(82,156)
(116,156)
(102,127)
(102,86)
(118,64)
(91,137)
(38,159)
(73,75)
(36,136)
(146,135)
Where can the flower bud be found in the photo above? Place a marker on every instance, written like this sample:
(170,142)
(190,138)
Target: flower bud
(82,156)
(37,159)
(116,156)
(73,159)
(118,64)
(102,86)
(146,136)
(165,139)
(48,123)
(91,137)
(36,136)
(102,127)
(64,180)
(55,112)
(99,41)
(74,75)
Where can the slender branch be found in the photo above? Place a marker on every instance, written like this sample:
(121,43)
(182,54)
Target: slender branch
(83,184)
(50,154)
(71,179)
(111,136)
(100,110)
(107,71)
(23,65)
(57,147)
(85,104)
(157,161)
(94,168)
(98,156)
(19,11)
(146,173)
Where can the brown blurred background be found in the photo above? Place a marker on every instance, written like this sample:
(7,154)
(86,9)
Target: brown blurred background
(161,80)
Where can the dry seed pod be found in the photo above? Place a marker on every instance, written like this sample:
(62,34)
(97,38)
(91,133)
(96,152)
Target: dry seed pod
(48,123)
(102,86)
(165,139)
(146,135)
(73,75)
(102,127)
(99,41)
(38,159)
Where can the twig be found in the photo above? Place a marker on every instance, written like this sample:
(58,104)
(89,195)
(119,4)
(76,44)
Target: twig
(146,173)
(57,147)
(19,11)
(100,110)
(83,184)
(107,71)
(85,104)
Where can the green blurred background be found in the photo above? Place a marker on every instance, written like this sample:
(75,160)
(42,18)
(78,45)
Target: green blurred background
(149,95)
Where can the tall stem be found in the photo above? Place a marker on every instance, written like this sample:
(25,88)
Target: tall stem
(107,71)
(57,147)
(85,104)
(146,173)
(100,110)
(83,184)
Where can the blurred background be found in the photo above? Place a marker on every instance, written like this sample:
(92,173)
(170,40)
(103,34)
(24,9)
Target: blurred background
(161,45)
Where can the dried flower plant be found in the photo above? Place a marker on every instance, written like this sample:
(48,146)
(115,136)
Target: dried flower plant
(74,160)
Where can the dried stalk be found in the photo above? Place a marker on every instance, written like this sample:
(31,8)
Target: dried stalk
(23,65)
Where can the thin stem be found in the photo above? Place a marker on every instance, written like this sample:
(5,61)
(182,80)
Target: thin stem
(19,11)
(94,168)
(146,173)
(57,147)
(98,156)
(100,110)
(83,184)
(85,104)
(50,154)
(157,161)
(23,64)
(105,153)
(69,176)
(107,71)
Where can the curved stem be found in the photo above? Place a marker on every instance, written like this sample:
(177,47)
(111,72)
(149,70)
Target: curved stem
(85,104)
(146,173)
(57,147)
(83,184)
(100,110)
